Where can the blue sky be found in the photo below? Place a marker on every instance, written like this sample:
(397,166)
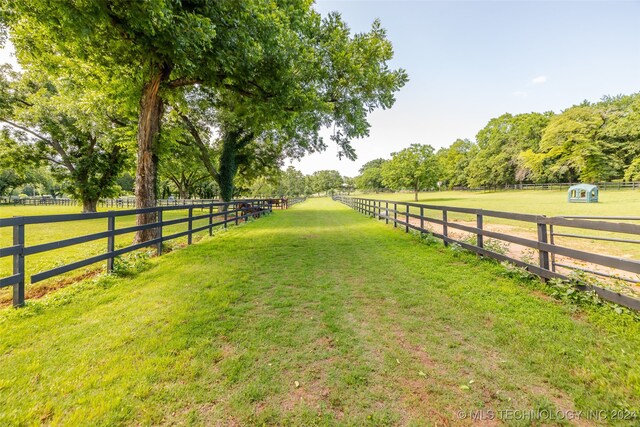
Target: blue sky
(469,61)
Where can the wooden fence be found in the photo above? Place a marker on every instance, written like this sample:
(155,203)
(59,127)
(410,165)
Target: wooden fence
(401,214)
(130,202)
(219,214)
(551,186)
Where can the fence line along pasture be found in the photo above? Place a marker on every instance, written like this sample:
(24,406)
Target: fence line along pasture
(130,202)
(554,260)
(219,214)
(551,186)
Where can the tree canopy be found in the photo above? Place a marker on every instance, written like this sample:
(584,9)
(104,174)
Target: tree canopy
(415,167)
(274,74)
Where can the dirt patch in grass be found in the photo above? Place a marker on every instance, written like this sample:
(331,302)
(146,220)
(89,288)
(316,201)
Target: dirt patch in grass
(42,290)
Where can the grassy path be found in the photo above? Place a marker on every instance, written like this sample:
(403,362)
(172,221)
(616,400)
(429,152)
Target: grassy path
(316,315)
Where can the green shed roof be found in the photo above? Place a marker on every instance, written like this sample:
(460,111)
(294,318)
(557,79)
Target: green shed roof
(587,187)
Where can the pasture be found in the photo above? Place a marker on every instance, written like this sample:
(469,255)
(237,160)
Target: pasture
(44,233)
(615,203)
(541,202)
(311,316)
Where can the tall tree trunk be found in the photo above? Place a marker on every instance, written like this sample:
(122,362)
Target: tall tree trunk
(89,206)
(228,165)
(148,131)
(182,193)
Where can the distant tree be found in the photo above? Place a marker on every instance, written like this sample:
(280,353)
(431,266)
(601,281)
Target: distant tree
(291,183)
(181,165)
(370,177)
(632,173)
(10,179)
(326,181)
(415,168)
(348,184)
(126,182)
(375,163)
(454,161)
(590,142)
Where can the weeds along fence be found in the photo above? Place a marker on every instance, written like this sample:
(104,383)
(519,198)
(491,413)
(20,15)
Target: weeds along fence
(555,260)
(216,214)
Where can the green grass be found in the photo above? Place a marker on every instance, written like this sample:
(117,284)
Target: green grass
(43,233)
(311,316)
(539,202)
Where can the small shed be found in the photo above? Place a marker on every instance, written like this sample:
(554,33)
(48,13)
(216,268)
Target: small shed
(583,193)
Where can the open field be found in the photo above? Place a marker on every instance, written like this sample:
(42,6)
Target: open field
(541,202)
(43,233)
(545,202)
(312,316)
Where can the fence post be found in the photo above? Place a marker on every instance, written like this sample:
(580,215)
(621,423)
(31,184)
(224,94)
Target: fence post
(479,236)
(406,218)
(445,229)
(111,240)
(395,215)
(542,238)
(386,217)
(159,245)
(235,208)
(422,219)
(211,220)
(190,235)
(226,214)
(18,265)
(552,241)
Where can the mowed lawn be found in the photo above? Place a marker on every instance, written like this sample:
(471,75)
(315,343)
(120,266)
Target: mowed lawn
(312,316)
(617,203)
(44,233)
(540,202)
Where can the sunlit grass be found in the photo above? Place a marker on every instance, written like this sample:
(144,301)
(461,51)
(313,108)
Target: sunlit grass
(312,316)
(538,202)
(44,233)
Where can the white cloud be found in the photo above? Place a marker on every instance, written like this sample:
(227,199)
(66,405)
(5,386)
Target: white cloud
(539,80)
(520,93)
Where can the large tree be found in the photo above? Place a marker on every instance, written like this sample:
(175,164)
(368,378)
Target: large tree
(589,142)
(267,53)
(60,123)
(342,79)
(500,143)
(159,46)
(415,168)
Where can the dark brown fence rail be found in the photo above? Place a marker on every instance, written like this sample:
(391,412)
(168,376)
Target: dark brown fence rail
(219,214)
(552,186)
(129,202)
(548,267)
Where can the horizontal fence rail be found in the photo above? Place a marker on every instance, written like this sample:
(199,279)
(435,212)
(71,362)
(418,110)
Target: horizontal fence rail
(412,216)
(551,186)
(216,213)
(130,202)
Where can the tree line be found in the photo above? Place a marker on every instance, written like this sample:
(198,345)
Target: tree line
(192,92)
(589,142)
